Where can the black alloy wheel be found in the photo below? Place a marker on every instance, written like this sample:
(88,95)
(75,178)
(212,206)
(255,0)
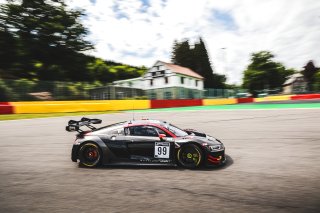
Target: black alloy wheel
(89,155)
(190,156)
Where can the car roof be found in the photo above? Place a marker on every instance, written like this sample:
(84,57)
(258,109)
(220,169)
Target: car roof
(147,122)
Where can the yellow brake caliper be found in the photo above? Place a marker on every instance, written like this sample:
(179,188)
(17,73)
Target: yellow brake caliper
(195,157)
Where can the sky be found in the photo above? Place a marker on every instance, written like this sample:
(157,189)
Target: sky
(140,32)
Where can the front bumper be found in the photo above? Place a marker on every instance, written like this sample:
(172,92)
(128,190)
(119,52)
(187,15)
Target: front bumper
(216,158)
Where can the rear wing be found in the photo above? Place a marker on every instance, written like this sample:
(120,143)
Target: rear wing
(75,125)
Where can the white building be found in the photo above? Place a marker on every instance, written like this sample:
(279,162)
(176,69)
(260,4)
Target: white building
(294,84)
(167,81)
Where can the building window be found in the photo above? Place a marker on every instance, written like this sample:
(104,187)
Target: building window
(94,97)
(106,96)
(182,93)
(196,83)
(167,95)
(182,80)
(120,95)
(151,82)
(130,84)
(166,80)
(153,96)
(156,68)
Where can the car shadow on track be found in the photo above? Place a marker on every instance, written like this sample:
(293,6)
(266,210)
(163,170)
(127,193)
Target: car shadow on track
(228,163)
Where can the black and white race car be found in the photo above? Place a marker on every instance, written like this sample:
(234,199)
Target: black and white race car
(143,142)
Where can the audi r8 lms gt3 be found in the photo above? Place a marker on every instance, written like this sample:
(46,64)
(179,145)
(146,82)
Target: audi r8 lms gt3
(143,142)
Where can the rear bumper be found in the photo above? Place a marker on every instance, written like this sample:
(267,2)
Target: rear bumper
(74,152)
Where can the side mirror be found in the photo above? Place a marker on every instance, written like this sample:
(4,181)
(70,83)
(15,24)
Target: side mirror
(162,137)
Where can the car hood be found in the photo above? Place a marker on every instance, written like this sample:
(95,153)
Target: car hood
(202,140)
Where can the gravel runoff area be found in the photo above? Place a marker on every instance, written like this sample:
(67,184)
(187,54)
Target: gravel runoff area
(273,166)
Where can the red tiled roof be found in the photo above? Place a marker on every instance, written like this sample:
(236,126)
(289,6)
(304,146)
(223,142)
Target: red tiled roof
(182,70)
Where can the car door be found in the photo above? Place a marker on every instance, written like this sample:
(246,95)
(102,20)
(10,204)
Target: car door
(142,141)
(146,145)
(117,142)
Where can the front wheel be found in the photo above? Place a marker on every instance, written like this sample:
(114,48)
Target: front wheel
(89,155)
(190,156)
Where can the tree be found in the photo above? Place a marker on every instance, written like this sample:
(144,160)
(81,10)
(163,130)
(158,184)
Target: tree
(7,51)
(263,73)
(309,73)
(198,60)
(182,54)
(203,67)
(317,82)
(44,32)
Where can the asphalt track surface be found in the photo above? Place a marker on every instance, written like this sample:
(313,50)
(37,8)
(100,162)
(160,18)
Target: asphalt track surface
(273,166)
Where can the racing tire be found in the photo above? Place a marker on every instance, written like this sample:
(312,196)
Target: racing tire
(89,155)
(190,156)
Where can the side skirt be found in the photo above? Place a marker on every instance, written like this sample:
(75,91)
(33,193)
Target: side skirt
(140,164)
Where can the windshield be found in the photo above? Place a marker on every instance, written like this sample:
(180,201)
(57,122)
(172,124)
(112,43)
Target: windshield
(176,130)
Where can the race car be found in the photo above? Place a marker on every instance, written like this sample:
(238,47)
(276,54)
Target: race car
(143,142)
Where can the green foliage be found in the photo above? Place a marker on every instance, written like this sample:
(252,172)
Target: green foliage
(107,72)
(317,81)
(44,40)
(25,84)
(182,54)
(197,59)
(309,73)
(263,73)
(100,70)
(6,93)
(41,32)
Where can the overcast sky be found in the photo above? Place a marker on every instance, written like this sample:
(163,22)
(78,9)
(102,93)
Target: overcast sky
(139,32)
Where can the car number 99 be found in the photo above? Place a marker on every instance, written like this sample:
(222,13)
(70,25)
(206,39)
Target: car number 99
(161,150)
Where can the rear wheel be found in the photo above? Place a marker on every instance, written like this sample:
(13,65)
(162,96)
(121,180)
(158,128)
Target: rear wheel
(190,156)
(89,155)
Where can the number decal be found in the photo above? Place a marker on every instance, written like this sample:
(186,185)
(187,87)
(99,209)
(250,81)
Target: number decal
(161,150)
(164,150)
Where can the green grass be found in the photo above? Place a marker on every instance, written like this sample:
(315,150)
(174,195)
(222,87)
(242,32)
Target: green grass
(47,115)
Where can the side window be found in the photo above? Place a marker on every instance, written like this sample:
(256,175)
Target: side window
(118,131)
(143,131)
(162,132)
(149,131)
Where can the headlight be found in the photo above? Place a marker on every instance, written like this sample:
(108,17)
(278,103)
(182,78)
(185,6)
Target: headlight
(216,148)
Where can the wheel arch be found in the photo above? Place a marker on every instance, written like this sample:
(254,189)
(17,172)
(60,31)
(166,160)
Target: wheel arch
(195,143)
(106,154)
(204,153)
(202,148)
